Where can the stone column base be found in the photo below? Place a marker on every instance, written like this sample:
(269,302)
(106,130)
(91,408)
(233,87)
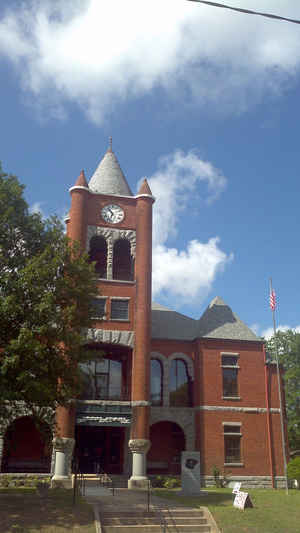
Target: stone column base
(61,482)
(138,483)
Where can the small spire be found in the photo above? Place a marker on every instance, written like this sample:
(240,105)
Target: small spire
(81,180)
(144,188)
(109,144)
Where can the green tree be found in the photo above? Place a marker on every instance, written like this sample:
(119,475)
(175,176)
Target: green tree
(46,290)
(288,346)
(293,470)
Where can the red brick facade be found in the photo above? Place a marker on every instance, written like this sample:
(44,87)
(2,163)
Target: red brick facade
(249,421)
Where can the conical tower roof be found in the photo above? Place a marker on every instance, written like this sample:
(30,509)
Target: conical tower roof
(220,322)
(108,177)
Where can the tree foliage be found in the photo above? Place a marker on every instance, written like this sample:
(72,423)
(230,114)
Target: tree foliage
(46,290)
(288,348)
(293,469)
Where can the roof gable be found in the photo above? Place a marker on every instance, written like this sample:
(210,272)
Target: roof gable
(220,322)
(217,322)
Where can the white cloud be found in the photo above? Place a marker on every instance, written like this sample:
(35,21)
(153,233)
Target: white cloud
(36,208)
(187,274)
(269,332)
(255,328)
(99,54)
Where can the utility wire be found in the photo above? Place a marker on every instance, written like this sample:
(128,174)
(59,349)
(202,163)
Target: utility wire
(247,11)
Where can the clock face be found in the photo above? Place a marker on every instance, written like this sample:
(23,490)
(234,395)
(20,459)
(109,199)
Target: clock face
(112,213)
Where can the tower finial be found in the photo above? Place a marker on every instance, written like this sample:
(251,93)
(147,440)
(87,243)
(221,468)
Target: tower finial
(110,144)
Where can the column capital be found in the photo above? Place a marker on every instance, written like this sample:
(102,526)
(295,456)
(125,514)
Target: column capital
(63,444)
(139,445)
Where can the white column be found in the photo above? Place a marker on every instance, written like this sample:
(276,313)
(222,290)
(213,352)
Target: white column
(63,456)
(139,449)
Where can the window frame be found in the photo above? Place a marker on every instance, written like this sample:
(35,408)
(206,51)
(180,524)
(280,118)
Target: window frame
(188,382)
(233,366)
(161,382)
(118,299)
(234,436)
(101,317)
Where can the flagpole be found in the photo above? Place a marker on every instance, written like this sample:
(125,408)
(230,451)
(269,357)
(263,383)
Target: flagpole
(273,307)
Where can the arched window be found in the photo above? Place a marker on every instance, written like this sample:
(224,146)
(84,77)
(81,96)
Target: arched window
(180,384)
(101,379)
(156,382)
(98,253)
(122,261)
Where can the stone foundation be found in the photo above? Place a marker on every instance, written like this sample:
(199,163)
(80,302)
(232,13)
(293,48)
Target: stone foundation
(248,482)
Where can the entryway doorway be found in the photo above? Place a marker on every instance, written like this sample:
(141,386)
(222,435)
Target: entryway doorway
(100,449)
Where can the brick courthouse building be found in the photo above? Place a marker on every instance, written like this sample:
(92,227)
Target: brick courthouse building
(167,383)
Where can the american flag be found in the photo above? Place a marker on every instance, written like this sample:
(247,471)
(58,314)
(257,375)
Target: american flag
(272,300)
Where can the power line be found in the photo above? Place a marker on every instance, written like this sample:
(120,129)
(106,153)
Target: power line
(247,11)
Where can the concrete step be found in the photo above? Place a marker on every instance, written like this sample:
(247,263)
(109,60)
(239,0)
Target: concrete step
(150,520)
(157,528)
(183,520)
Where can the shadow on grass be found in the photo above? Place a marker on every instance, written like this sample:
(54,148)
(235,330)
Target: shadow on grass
(23,511)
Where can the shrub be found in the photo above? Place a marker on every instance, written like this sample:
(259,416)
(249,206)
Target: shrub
(172,482)
(5,481)
(166,482)
(293,469)
(220,480)
(157,482)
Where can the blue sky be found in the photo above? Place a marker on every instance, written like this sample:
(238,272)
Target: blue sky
(203,102)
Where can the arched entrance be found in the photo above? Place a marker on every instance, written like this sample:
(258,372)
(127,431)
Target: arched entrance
(167,443)
(27,447)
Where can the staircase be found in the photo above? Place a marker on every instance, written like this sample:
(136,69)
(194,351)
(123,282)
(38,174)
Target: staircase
(158,520)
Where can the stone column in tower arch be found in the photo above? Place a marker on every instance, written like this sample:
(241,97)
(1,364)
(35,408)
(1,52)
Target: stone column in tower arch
(139,442)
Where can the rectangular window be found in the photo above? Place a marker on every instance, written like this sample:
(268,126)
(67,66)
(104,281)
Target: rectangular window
(99,307)
(119,309)
(232,443)
(230,376)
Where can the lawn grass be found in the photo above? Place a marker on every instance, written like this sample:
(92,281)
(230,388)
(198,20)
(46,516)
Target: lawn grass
(273,511)
(23,511)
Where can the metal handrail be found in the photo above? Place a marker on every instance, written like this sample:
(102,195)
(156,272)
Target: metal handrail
(174,526)
(79,483)
(161,518)
(105,480)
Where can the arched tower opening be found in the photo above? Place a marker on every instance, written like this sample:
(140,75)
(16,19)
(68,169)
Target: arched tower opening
(123,264)
(98,253)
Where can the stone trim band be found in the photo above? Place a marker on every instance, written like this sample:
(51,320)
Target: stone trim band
(236,409)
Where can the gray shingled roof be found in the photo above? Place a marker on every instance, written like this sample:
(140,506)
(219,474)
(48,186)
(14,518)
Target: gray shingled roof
(168,324)
(108,178)
(217,322)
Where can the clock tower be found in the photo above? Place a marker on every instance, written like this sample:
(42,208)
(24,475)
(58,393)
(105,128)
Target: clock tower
(115,228)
